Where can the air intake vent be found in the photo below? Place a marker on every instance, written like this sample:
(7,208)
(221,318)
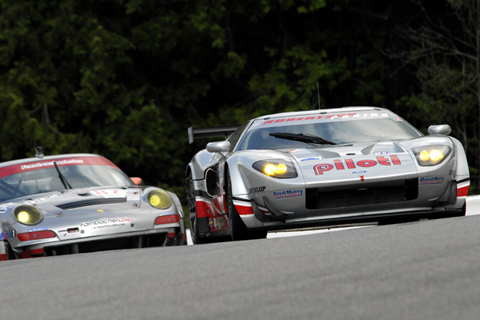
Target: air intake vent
(323,198)
(90,202)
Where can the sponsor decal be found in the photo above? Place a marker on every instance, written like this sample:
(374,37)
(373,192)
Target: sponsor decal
(115,193)
(38,229)
(383,152)
(431,180)
(328,117)
(216,224)
(6,235)
(50,164)
(165,214)
(257,189)
(319,169)
(309,159)
(358,172)
(107,222)
(12,169)
(287,194)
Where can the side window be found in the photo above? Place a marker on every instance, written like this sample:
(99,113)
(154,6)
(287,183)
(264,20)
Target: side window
(233,138)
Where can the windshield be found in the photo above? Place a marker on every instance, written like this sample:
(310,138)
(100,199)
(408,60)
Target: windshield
(47,180)
(340,132)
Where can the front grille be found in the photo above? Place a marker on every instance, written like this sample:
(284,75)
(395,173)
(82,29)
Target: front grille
(146,241)
(325,198)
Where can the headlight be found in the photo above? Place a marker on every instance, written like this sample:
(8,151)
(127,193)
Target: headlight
(159,199)
(27,214)
(431,155)
(276,168)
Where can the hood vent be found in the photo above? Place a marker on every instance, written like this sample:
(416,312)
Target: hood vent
(383,148)
(90,202)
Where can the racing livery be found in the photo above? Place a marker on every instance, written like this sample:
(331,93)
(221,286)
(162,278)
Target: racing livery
(319,168)
(75,203)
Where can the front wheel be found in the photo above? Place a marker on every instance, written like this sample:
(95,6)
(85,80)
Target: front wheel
(238,229)
(9,254)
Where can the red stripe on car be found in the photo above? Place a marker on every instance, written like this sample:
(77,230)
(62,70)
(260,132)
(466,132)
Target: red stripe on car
(64,161)
(243,210)
(463,191)
(203,209)
(167,219)
(35,253)
(36,235)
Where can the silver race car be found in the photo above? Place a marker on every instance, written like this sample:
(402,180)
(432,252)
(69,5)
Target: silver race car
(320,168)
(77,203)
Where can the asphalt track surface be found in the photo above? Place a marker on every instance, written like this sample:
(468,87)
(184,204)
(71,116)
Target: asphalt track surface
(421,270)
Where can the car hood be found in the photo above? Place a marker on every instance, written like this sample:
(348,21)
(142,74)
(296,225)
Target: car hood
(354,163)
(94,211)
(76,198)
(85,201)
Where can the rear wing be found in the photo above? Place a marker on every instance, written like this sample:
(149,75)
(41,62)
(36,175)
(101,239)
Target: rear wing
(196,133)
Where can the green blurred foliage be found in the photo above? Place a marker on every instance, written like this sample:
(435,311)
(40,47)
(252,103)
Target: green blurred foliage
(126,78)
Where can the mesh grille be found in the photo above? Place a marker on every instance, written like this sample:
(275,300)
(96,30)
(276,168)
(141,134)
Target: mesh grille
(323,198)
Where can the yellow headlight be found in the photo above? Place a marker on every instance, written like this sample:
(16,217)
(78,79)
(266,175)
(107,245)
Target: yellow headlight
(276,168)
(424,155)
(159,199)
(155,200)
(27,214)
(23,216)
(281,168)
(271,169)
(431,155)
(436,155)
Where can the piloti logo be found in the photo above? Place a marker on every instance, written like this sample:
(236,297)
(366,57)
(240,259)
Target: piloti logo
(319,169)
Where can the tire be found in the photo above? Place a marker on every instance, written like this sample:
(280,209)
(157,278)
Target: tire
(9,251)
(238,228)
(192,212)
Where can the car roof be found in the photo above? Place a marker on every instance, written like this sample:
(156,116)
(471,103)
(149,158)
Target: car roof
(52,157)
(322,111)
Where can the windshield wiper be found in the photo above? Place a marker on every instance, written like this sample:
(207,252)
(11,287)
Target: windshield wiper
(302,137)
(62,178)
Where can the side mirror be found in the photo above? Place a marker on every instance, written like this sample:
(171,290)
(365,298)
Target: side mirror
(439,129)
(221,146)
(138,181)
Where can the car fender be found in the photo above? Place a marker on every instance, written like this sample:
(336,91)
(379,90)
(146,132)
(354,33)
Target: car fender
(199,164)
(245,179)
(462,171)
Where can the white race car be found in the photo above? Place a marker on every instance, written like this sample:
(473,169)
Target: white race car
(75,203)
(322,168)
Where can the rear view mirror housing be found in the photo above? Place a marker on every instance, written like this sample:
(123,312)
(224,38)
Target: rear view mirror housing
(439,129)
